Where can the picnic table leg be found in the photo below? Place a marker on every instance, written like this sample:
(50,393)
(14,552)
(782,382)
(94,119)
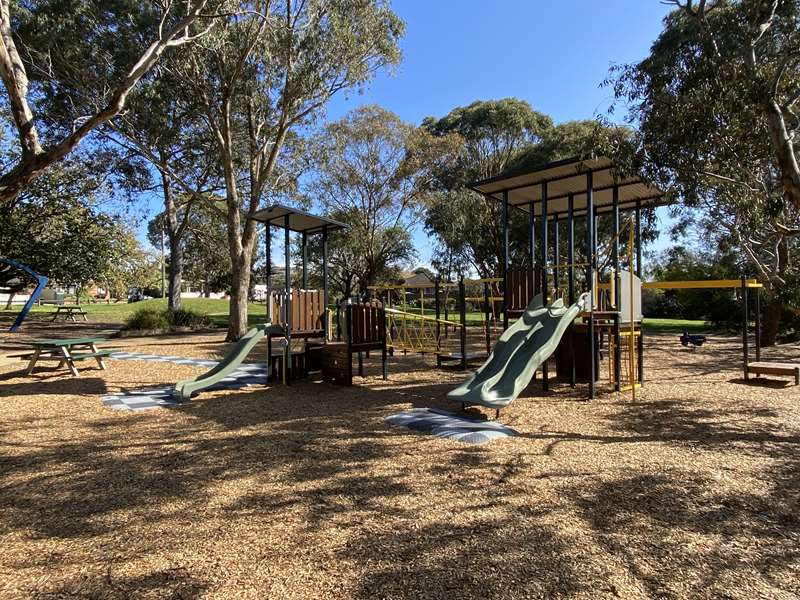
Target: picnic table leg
(32,362)
(98,358)
(85,318)
(72,317)
(54,316)
(68,359)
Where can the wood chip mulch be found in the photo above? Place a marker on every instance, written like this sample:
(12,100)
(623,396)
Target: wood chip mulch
(304,492)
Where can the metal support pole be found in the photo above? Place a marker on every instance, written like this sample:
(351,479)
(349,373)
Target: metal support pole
(462,292)
(745,325)
(326,325)
(556,256)
(287,351)
(487,313)
(616,285)
(438,310)
(590,276)
(571,249)
(504,241)
(304,255)
(268,254)
(532,247)
(758,324)
(571,281)
(544,258)
(640,343)
(543,246)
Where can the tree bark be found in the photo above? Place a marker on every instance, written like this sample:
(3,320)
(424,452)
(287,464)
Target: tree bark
(771,323)
(240,285)
(175,235)
(34,159)
(175,275)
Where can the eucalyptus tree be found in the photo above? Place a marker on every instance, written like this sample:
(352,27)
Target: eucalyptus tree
(165,129)
(58,225)
(265,73)
(716,102)
(493,134)
(374,172)
(81,59)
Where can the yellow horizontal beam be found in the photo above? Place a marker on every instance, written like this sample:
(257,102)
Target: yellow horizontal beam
(700,284)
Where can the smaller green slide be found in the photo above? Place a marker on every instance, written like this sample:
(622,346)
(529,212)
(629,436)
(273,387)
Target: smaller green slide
(184,389)
(521,349)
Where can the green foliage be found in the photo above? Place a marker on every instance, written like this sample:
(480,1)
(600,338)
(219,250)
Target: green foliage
(153,318)
(185,317)
(203,245)
(719,307)
(715,103)
(58,228)
(148,319)
(492,134)
(373,172)
(505,137)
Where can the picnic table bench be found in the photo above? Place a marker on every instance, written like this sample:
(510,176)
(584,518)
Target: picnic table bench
(68,311)
(64,351)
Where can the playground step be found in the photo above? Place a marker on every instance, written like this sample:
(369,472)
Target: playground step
(773,368)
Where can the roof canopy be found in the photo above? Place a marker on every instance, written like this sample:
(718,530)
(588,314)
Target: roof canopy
(567,177)
(299,220)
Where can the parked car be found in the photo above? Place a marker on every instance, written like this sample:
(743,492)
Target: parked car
(136,294)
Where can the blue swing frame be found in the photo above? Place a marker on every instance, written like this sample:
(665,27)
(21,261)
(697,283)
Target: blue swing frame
(41,281)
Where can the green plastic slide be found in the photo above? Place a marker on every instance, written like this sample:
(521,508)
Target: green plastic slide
(184,389)
(518,353)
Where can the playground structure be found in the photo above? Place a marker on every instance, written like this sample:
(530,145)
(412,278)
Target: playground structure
(299,313)
(364,330)
(522,348)
(561,192)
(744,287)
(411,330)
(15,278)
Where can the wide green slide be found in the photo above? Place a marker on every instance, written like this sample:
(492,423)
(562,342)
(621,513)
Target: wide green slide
(184,389)
(521,349)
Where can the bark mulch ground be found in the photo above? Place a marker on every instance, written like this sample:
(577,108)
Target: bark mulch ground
(305,492)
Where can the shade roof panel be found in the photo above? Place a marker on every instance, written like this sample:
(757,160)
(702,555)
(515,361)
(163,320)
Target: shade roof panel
(569,177)
(300,221)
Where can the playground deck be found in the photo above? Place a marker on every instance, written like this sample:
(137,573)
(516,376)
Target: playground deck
(306,492)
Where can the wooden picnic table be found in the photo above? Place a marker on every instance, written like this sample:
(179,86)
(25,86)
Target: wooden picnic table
(68,311)
(64,351)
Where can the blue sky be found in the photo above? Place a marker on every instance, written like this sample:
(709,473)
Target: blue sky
(554,54)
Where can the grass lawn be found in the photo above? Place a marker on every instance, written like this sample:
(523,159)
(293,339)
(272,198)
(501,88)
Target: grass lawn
(676,325)
(216,309)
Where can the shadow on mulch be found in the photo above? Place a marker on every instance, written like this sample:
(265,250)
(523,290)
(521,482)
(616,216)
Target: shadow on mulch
(764,382)
(176,583)
(646,520)
(51,383)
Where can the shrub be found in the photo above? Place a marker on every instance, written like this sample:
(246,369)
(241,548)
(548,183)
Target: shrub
(184,317)
(150,318)
(159,319)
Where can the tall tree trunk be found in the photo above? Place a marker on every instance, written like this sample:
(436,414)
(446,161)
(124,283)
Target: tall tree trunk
(175,274)
(770,324)
(175,232)
(240,285)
